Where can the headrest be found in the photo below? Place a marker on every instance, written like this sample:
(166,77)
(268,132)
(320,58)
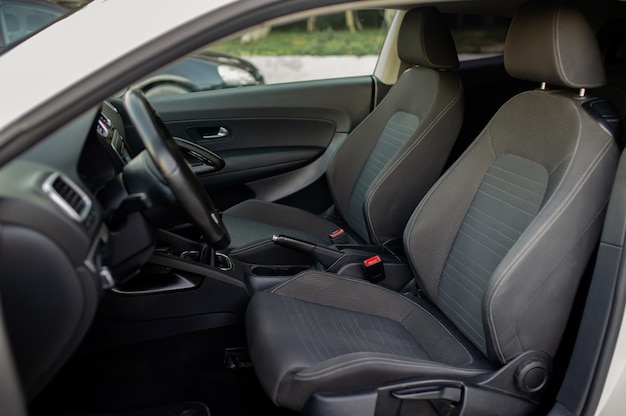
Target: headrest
(553,43)
(425,40)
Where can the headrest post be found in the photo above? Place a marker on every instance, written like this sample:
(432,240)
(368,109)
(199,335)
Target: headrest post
(582,92)
(544,86)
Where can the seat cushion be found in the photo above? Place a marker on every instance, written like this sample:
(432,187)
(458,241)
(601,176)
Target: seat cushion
(322,332)
(252,224)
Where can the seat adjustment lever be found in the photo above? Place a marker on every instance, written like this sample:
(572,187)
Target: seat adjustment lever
(450,393)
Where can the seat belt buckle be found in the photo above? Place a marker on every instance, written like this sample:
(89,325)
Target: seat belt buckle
(374,269)
(339,237)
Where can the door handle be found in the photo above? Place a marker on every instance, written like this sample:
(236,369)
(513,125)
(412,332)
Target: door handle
(221,133)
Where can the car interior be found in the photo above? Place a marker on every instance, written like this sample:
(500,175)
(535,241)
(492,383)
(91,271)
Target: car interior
(445,240)
(372,176)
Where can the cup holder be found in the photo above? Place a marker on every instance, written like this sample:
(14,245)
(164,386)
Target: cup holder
(277,270)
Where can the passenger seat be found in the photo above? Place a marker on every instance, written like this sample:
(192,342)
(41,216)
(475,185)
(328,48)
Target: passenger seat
(383,169)
(498,247)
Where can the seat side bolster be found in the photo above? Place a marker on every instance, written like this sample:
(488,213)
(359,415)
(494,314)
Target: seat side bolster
(401,185)
(359,370)
(347,163)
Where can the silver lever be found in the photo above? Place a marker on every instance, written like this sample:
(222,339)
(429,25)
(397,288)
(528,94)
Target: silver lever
(221,133)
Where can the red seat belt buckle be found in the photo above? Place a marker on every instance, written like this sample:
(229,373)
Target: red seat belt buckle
(339,237)
(372,261)
(374,269)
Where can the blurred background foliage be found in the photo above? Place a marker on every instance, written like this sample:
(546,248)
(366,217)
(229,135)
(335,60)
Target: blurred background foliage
(335,35)
(356,33)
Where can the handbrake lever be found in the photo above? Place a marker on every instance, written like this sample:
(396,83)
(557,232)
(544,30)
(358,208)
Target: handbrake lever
(324,255)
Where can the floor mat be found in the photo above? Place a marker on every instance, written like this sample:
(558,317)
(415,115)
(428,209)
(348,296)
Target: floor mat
(182,369)
(181,409)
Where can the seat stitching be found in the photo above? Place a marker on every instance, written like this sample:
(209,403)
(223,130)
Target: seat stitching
(540,233)
(311,373)
(466,283)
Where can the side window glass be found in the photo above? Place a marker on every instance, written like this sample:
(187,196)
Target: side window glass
(478,37)
(20,20)
(327,46)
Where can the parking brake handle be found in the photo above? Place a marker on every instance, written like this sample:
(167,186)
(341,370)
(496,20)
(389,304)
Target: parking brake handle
(325,256)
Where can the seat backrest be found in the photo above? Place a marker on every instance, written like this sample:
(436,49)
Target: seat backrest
(502,239)
(383,169)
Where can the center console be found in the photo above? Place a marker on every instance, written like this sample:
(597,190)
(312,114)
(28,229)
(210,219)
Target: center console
(187,261)
(186,286)
(376,263)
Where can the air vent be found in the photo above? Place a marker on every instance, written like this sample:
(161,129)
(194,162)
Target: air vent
(68,196)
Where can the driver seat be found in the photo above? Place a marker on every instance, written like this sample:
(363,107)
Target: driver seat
(497,248)
(386,165)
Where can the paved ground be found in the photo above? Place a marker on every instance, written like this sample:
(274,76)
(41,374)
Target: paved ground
(299,68)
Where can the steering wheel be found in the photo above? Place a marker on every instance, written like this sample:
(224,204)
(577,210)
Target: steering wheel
(178,175)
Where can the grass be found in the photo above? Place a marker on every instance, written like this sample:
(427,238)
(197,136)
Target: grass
(342,42)
(327,42)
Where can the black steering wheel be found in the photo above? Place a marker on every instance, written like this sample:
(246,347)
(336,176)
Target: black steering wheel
(178,175)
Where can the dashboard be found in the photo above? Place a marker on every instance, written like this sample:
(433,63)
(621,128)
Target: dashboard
(55,202)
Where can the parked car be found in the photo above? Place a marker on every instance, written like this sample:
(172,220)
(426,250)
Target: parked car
(205,70)
(19,19)
(125,289)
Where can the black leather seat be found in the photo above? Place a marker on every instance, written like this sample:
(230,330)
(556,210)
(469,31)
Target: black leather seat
(497,247)
(386,165)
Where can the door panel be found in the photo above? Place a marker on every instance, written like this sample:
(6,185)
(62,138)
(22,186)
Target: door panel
(255,132)
(344,101)
(247,165)
(274,138)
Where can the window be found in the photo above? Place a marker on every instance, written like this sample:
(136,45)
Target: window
(327,46)
(476,36)
(19,20)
